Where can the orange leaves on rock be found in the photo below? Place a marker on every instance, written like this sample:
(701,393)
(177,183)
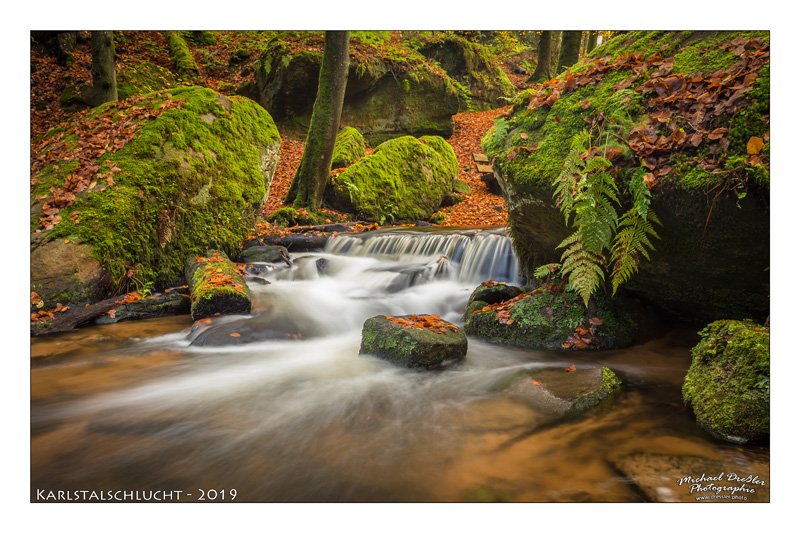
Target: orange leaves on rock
(85,141)
(36,300)
(584,336)
(492,283)
(235,334)
(40,316)
(504,317)
(129,298)
(536,383)
(427,322)
(570,368)
(112,313)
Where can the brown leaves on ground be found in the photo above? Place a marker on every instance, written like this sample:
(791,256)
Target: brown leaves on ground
(85,141)
(427,322)
(291,154)
(480,208)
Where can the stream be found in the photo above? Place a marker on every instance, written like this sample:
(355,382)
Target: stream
(288,411)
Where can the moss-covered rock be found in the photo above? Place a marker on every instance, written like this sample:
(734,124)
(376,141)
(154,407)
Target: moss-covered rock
(216,286)
(194,176)
(349,148)
(554,320)
(713,253)
(493,293)
(405,179)
(265,254)
(472,65)
(289,216)
(410,346)
(383,97)
(727,385)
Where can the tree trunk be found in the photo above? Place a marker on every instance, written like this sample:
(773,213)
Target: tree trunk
(312,175)
(543,58)
(570,50)
(104,78)
(591,42)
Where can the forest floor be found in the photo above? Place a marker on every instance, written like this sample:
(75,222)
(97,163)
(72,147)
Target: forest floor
(49,80)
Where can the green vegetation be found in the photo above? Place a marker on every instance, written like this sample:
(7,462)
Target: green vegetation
(727,385)
(194,177)
(181,55)
(349,148)
(403,179)
(545,320)
(143,78)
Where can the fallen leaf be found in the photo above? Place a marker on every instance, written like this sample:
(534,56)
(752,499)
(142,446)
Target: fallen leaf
(755,145)
(570,368)
(234,334)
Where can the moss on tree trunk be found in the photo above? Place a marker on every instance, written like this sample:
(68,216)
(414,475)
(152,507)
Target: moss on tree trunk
(543,57)
(570,49)
(312,175)
(104,78)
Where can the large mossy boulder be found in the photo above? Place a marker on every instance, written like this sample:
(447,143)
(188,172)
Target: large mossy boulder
(404,179)
(472,65)
(413,341)
(383,98)
(348,148)
(551,320)
(125,192)
(727,385)
(690,122)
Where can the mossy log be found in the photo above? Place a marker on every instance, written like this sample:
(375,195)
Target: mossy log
(181,55)
(216,286)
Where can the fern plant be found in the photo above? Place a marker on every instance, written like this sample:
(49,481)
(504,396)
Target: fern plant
(587,195)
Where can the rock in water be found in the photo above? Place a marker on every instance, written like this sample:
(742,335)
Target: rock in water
(216,286)
(181,168)
(663,478)
(562,393)
(413,341)
(265,254)
(727,385)
(542,319)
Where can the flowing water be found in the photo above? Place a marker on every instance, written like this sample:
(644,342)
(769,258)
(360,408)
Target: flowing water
(288,410)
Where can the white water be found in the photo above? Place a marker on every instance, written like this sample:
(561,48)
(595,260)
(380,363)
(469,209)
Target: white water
(310,419)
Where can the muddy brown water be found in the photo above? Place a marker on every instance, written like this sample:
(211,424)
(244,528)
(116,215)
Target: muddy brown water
(133,406)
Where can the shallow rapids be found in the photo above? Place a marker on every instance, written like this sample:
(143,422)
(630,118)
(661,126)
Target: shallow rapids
(296,414)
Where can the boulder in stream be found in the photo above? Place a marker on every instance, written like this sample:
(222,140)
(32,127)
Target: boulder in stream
(550,320)
(267,253)
(414,341)
(216,286)
(727,385)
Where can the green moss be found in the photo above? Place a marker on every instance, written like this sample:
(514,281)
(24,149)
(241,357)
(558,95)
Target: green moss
(411,347)
(142,78)
(349,148)
(727,385)
(193,177)
(202,38)
(546,319)
(462,187)
(403,179)
(181,56)
(209,297)
(289,216)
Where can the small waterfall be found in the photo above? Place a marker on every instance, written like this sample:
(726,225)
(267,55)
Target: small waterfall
(474,255)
